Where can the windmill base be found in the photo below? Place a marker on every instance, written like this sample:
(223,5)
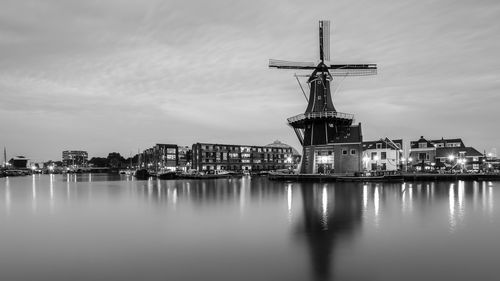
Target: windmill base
(338,158)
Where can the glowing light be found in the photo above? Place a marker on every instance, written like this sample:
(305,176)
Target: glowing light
(410,159)
(403,159)
(451,157)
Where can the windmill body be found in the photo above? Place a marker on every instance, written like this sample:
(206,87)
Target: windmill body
(331,143)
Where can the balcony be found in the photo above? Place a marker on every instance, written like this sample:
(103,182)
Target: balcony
(299,119)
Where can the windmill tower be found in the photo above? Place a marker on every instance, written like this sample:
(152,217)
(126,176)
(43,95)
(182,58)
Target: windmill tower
(330,140)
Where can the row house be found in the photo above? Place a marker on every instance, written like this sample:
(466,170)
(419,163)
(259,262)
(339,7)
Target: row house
(444,154)
(382,155)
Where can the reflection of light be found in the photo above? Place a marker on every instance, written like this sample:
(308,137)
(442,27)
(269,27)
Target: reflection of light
(174,197)
(158,186)
(289,201)
(34,187)
(376,200)
(475,194)
(403,196)
(34,194)
(242,199)
(451,199)
(7,195)
(324,207)
(490,201)
(51,179)
(365,197)
(461,191)
(51,190)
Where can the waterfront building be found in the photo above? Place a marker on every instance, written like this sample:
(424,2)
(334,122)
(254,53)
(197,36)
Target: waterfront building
(491,163)
(232,157)
(75,158)
(18,162)
(330,141)
(463,158)
(382,155)
(444,154)
(422,152)
(161,157)
(184,157)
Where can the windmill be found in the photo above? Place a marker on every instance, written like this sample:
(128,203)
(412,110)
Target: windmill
(321,129)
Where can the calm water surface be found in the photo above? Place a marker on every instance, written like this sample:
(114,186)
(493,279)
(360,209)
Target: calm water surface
(100,227)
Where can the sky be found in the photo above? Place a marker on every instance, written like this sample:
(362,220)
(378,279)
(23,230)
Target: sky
(123,75)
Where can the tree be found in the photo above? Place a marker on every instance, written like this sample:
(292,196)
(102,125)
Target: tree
(99,162)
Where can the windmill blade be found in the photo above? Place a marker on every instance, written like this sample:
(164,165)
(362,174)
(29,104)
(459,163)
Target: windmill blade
(291,64)
(324,40)
(352,69)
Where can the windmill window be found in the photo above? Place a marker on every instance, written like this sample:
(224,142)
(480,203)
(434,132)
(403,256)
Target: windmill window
(353,151)
(344,152)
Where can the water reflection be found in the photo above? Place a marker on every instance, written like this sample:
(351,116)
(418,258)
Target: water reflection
(331,215)
(331,220)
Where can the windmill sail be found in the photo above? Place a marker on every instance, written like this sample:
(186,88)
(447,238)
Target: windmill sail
(324,40)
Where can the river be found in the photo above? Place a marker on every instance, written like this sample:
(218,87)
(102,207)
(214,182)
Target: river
(110,227)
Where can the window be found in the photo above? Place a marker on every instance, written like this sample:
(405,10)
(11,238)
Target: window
(344,152)
(383,155)
(422,156)
(374,154)
(353,151)
(422,145)
(379,145)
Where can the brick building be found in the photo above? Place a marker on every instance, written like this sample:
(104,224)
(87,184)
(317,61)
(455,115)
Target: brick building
(232,157)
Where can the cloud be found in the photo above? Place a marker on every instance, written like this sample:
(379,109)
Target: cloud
(123,74)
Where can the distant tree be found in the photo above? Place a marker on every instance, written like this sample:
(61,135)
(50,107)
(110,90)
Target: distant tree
(99,162)
(115,160)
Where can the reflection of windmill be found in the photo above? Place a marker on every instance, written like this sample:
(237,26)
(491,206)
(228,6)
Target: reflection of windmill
(321,125)
(332,215)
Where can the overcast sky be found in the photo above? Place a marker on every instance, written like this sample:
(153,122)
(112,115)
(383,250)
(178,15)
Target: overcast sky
(122,75)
